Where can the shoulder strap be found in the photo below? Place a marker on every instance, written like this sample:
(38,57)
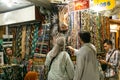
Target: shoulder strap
(52,61)
(111,55)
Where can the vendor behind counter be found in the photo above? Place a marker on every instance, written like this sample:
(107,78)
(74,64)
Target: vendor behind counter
(9,57)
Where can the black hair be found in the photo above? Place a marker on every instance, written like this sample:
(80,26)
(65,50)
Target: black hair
(5,48)
(8,47)
(85,36)
(109,42)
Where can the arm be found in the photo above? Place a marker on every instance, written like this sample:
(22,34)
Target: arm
(105,62)
(116,59)
(48,60)
(73,51)
(69,67)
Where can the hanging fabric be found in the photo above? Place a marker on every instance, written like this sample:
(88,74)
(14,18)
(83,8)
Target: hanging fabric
(18,40)
(27,41)
(23,41)
(35,38)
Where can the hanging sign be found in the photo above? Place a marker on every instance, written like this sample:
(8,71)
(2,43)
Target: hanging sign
(81,4)
(63,18)
(106,4)
(78,5)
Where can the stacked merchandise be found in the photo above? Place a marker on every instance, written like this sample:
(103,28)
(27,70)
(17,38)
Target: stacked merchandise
(42,49)
(32,39)
(10,72)
(38,64)
(7,40)
(44,39)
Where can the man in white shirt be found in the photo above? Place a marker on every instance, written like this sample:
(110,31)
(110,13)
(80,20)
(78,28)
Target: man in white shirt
(86,61)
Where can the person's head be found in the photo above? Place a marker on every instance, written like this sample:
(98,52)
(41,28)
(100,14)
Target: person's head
(60,41)
(59,45)
(107,44)
(84,36)
(31,75)
(55,36)
(8,51)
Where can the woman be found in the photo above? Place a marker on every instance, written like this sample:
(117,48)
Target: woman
(10,59)
(58,62)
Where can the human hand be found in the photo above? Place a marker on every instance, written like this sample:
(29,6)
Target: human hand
(71,50)
(102,61)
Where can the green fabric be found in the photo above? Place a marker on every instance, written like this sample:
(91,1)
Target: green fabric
(1,41)
(35,38)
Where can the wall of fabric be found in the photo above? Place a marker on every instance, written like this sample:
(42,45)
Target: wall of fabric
(93,22)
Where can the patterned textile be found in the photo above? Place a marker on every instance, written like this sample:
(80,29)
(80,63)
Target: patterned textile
(44,39)
(34,41)
(12,72)
(18,40)
(40,70)
(27,41)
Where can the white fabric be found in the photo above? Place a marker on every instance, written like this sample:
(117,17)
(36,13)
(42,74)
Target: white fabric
(86,63)
(62,67)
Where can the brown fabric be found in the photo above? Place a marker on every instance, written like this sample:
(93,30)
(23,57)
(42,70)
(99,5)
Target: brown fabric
(31,75)
(23,41)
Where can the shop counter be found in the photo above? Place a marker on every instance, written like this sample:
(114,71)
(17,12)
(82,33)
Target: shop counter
(11,72)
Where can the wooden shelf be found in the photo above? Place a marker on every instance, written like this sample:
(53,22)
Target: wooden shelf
(114,21)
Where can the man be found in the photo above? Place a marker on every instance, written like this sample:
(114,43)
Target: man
(112,61)
(86,62)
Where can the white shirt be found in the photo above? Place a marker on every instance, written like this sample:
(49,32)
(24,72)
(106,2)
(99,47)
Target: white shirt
(86,63)
(62,67)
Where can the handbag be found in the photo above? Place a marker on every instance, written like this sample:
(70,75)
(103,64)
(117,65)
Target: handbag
(104,66)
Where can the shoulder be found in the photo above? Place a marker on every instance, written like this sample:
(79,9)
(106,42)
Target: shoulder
(116,51)
(64,53)
(84,49)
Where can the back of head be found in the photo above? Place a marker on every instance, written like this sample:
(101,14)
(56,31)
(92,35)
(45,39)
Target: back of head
(60,41)
(59,45)
(31,75)
(85,36)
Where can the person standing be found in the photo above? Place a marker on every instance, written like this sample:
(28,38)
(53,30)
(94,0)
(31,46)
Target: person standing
(86,60)
(58,62)
(111,60)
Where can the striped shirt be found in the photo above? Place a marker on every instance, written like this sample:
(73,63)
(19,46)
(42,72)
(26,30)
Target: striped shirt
(113,58)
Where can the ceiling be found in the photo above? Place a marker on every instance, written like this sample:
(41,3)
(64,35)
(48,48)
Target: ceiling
(8,5)
(16,4)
